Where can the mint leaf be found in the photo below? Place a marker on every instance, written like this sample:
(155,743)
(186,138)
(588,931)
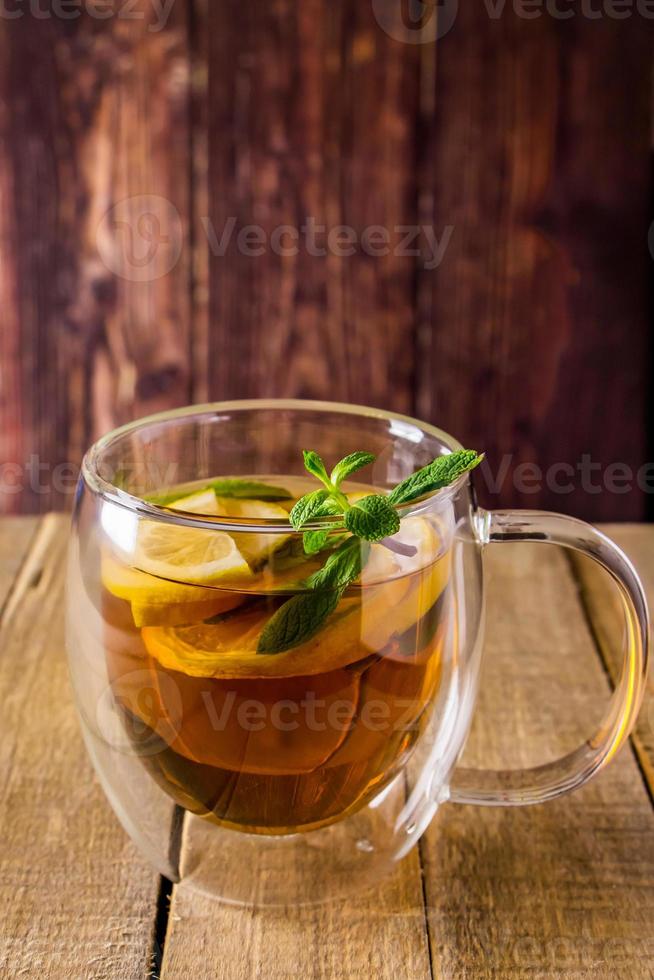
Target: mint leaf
(314,465)
(439,473)
(372,518)
(342,566)
(229,487)
(297,620)
(302,616)
(314,541)
(350,464)
(307,508)
(250,489)
(329,508)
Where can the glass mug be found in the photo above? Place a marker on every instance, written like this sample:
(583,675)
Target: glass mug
(293,777)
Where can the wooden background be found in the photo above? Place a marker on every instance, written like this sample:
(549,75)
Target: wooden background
(529,137)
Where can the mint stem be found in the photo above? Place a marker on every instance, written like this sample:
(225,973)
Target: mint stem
(408,550)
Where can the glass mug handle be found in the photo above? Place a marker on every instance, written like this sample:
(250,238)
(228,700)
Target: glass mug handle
(524,786)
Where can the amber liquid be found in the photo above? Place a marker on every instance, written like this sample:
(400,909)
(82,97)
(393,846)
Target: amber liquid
(290,752)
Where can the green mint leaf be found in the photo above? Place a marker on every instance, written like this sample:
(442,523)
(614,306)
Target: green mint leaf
(297,620)
(303,615)
(314,541)
(249,489)
(329,508)
(372,518)
(350,464)
(342,566)
(307,508)
(229,487)
(439,473)
(314,465)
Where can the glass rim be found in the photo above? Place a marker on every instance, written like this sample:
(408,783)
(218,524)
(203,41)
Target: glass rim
(114,494)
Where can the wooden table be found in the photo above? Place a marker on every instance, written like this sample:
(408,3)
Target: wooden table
(561,890)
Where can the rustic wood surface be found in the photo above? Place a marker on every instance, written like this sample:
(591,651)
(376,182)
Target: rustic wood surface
(76,899)
(528,137)
(606,616)
(533,301)
(564,890)
(293,137)
(93,141)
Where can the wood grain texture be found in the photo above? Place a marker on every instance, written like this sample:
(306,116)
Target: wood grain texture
(562,890)
(381,934)
(76,900)
(199,28)
(94,154)
(120,140)
(312,118)
(603,605)
(559,891)
(15,539)
(565,890)
(534,328)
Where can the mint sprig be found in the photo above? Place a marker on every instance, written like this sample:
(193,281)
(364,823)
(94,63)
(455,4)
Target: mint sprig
(373,518)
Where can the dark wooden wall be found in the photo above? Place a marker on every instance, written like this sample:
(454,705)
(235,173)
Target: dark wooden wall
(530,138)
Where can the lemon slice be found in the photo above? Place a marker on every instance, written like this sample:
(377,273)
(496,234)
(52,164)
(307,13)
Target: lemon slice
(168,613)
(202,502)
(189,554)
(364,622)
(157,602)
(426,572)
(174,563)
(129,583)
(229,649)
(255,547)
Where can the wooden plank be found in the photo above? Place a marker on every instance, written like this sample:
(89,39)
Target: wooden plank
(94,201)
(15,536)
(76,900)
(199,34)
(603,605)
(561,890)
(381,935)
(539,311)
(312,118)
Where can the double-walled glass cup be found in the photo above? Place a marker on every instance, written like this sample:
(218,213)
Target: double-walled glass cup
(293,775)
